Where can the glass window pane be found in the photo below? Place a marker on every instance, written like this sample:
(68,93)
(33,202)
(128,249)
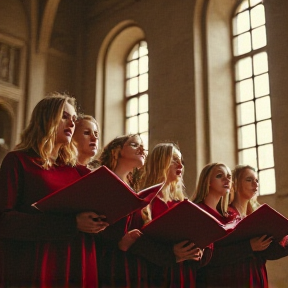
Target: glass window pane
(132,86)
(254,2)
(132,69)
(246,136)
(257,16)
(134,53)
(243,6)
(143,50)
(143,122)
(143,82)
(261,85)
(248,157)
(245,113)
(244,90)
(143,103)
(143,65)
(242,22)
(267,183)
(259,37)
(260,63)
(132,125)
(145,139)
(242,44)
(244,68)
(266,158)
(263,108)
(264,132)
(132,107)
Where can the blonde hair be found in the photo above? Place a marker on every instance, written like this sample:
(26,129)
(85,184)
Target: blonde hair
(156,168)
(202,189)
(41,132)
(237,175)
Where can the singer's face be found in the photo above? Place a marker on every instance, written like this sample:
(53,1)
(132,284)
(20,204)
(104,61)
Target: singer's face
(86,138)
(220,180)
(133,152)
(176,167)
(248,184)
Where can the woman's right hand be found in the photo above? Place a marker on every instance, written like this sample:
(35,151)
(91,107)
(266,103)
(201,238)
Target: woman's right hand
(184,252)
(86,222)
(260,243)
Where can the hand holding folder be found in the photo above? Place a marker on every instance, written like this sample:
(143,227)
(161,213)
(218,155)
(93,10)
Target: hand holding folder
(186,221)
(100,191)
(263,221)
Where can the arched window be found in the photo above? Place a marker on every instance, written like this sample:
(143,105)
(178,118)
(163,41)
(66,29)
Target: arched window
(254,122)
(136,92)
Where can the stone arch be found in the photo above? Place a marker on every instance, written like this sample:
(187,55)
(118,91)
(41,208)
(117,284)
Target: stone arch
(110,77)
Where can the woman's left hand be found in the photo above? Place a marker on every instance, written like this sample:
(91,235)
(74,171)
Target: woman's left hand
(128,239)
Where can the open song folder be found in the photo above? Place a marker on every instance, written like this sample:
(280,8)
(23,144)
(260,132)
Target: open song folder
(100,191)
(263,221)
(186,221)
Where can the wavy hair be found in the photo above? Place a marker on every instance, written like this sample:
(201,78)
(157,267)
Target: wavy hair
(202,188)
(111,152)
(110,155)
(156,169)
(41,132)
(237,177)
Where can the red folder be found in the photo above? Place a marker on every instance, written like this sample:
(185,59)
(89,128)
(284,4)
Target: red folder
(100,191)
(186,221)
(263,221)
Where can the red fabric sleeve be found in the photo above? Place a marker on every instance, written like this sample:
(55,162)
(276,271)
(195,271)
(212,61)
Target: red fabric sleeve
(17,225)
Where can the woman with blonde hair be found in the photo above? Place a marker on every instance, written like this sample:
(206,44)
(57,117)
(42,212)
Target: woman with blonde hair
(244,200)
(233,265)
(165,164)
(217,200)
(157,169)
(47,250)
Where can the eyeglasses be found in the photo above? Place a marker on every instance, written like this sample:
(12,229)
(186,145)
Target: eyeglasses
(66,116)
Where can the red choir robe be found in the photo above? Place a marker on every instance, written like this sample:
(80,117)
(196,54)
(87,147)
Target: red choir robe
(159,259)
(41,249)
(237,265)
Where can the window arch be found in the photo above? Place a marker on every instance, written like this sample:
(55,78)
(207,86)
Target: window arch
(110,88)
(254,120)
(136,92)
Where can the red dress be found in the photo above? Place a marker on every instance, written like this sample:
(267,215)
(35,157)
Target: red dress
(162,269)
(41,249)
(236,265)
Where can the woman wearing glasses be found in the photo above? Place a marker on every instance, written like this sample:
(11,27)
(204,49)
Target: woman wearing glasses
(124,155)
